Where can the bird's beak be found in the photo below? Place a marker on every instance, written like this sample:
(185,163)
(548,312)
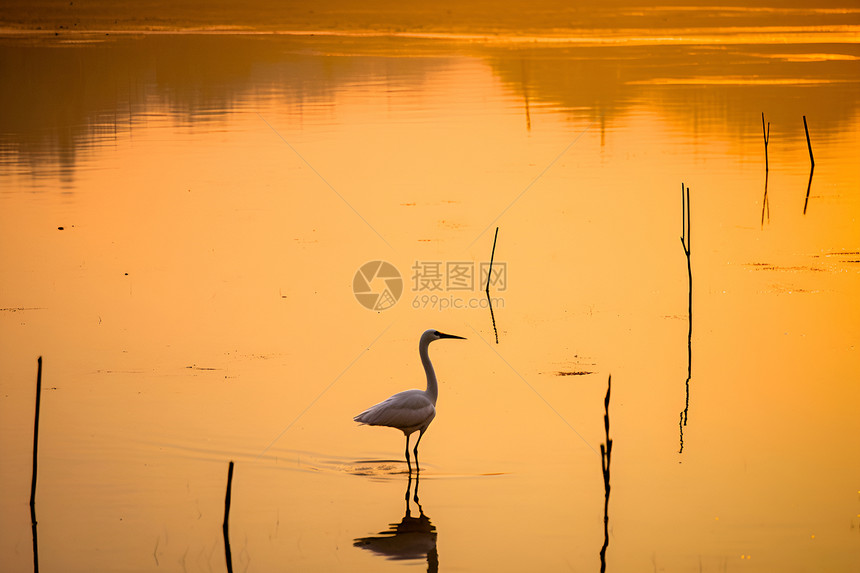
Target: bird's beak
(443,335)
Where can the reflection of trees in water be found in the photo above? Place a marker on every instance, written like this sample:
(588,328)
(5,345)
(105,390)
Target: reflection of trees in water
(701,88)
(59,99)
(411,538)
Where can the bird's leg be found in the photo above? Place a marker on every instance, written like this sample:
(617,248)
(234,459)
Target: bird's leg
(417,467)
(408,464)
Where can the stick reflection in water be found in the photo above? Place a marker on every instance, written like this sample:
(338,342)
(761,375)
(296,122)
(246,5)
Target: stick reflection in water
(411,538)
(766,134)
(685,242)
(228,555)
(811,165)
(35,469)
(605,458)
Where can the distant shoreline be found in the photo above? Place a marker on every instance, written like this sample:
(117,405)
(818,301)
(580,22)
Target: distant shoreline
(476,20)
(837,34)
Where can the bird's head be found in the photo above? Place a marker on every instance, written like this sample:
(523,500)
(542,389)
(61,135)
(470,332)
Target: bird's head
(432,334)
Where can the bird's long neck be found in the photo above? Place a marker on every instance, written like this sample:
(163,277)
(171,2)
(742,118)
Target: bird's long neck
(432,386)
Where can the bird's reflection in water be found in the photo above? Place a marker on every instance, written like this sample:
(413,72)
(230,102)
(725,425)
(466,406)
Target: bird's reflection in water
(411,538)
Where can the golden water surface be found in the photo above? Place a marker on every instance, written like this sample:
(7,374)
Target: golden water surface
(183,211)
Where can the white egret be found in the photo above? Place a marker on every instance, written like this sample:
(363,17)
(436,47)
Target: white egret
(410,410)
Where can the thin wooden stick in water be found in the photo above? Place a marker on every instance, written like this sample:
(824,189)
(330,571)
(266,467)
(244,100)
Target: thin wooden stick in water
(226,527)
(766,134)
(686,233)
(492,256)
(228,497)
(808,143)
(689,251)
(36,440)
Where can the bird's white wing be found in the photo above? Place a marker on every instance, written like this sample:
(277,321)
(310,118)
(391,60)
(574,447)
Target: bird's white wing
(407,410)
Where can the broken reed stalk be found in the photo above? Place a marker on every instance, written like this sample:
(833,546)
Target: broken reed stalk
(766,134)
(36,442)
(808,143)
(605,459)
(228,555)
